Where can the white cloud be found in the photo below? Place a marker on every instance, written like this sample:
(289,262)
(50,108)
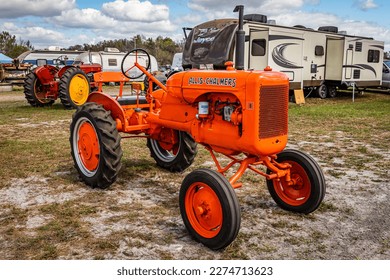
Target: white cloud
(38,36)
(135,10)
(84,18)
(251,6)
(366,4)
(45,8)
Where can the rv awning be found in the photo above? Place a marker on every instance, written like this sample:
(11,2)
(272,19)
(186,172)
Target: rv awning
(5,59)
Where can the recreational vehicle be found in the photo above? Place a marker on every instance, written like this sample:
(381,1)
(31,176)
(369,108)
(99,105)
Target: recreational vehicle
(111,59)
(312,59)
(50,57)
(386,74)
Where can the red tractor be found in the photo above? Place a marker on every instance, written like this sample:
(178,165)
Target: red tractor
(71,84)
(241,114)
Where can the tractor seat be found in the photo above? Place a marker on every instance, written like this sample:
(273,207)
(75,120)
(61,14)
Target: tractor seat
(131,100)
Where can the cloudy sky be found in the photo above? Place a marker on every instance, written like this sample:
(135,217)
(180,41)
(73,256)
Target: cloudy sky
(70,22)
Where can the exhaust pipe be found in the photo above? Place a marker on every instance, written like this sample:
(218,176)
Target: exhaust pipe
(240,38)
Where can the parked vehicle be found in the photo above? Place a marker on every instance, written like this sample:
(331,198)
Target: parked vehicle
(73,83)
(319,59)
(241,114)
(386,74)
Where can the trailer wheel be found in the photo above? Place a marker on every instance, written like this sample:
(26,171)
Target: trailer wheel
(322,91)
(308,190)
(332,91)
(209,208)
(74,88)
(95,145)
(34,91)
(176,157)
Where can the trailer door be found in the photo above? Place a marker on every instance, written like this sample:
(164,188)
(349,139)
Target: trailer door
(334,59)
(349,62)
(258,49)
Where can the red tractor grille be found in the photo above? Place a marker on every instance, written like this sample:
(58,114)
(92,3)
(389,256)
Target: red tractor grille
(273,115)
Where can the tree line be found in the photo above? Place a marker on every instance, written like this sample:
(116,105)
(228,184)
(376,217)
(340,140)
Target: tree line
(12,47)
(161,48)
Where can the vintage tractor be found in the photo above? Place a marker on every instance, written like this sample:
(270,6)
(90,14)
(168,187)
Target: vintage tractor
(70,83)
(240,114)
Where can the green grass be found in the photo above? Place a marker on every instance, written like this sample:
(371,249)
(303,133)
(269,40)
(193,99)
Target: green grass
(35,142)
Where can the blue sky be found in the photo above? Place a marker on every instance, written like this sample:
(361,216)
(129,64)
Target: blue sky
(71,22)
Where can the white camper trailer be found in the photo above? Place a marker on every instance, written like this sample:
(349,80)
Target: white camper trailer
(50,57)
(111,59)
(353,61)
(301,53)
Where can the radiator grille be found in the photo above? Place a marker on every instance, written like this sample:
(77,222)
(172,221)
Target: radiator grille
(273,111)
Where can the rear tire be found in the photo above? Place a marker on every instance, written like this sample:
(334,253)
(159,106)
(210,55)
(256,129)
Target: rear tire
(322,91)
(209,208)
(332,91)
(34,91)
(74,88)
(309,189)
(177,159)
(95,145)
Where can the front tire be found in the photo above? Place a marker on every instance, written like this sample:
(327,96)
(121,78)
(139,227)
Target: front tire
(176,157)
(308,190)
(74,88)
(209,208)
(95,145)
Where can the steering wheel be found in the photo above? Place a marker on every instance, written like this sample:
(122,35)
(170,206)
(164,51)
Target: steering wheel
(129,67)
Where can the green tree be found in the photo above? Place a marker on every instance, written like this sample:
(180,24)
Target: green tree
(10,47)
(162,48)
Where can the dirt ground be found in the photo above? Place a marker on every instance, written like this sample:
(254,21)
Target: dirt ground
(51,215)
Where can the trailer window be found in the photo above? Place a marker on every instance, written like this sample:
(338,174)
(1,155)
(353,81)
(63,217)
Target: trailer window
(319,51)
(358,46)
(112,62)
(258,47)
(41,62)
(373,56)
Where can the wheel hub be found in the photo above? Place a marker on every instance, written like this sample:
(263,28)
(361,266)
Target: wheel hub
(88,146)
(204,210)
(79,89)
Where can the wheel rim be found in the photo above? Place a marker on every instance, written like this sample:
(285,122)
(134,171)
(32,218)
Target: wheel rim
(39,92)
(322,91)
(79,89)
(86,146)
(204,210)
(298,193)
(164,152)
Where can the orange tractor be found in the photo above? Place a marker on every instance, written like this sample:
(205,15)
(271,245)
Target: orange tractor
(71,84)
(240,114)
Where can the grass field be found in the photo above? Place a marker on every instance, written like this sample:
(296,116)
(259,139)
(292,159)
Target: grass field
(46,213)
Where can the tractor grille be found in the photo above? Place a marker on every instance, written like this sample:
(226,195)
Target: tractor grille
(273,111)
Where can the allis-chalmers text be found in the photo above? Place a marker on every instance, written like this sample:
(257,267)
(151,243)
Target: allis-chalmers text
(228,82)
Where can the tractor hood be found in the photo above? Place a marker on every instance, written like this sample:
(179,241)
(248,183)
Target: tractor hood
(210,43)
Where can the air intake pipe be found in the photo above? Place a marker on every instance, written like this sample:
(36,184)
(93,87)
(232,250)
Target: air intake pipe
(240,38)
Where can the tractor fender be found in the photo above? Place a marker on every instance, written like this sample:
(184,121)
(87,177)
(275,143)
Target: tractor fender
(110,104)
(63,69)
(46,73)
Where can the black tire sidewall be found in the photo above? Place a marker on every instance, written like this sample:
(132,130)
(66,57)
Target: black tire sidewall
(229,202)
(66,79)
(316,178)
(104,176)
(184,157)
